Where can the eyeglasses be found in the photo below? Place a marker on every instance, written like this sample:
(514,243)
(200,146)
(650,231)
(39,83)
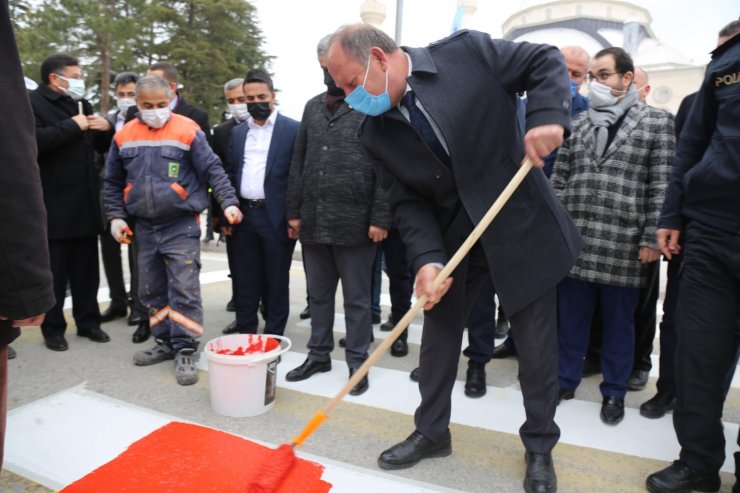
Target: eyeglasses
(601,76)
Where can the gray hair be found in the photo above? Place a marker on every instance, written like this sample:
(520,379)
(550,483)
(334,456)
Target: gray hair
(233,84)
(323,45)
(151,83)
(576,52)
(357,39)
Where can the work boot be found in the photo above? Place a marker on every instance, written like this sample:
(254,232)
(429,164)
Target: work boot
(160,352)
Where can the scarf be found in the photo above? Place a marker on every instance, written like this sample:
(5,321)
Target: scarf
(605,117)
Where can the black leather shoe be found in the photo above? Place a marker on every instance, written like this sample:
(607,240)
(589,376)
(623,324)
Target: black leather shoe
(113,312)
(414,375)
(231,328)
(388,325)
(590,368)
(638,379)
(612,410)
(135,319)
(680,478)
(400,347)
(11,353)
(415,448)
(94,334)
(657,406)
(540,476)
(502,351)
(361,387)
(375,318)
(308,368)
(475,380)
(56,343)
(306,313)
(230,306)
(343,342)
(565,395)
(141,333)
(502,325)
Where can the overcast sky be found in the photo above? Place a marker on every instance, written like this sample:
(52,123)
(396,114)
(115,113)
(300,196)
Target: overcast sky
(293,27)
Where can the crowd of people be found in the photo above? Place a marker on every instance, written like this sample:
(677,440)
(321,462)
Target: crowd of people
(389,168)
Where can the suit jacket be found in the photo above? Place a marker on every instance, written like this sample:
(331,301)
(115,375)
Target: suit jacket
(185,109)
(332,187)
(25,275)
(220,142)
(276,171)
(615,199)
(468,83)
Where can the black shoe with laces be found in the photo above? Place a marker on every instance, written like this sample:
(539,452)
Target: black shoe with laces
(680,478)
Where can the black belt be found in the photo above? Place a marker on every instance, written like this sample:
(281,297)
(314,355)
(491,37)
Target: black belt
(253,203)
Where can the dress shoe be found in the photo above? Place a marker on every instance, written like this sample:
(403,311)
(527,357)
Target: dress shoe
(11,353)
(590,368)
(414,375)
(306,313)
(540,476)
(638,379)
(135,319)
(388,325)
(343,342)
(56,343)
(612,410)
(361,387)
(565,395)
(113,312)
(680,478)
(231,328)
(308,368)
(230,306)
(375,318)
(95,334)
(475,380)
(415,448)
(502,326)
(141,333)
(400,346)
(503,351)
(657,406)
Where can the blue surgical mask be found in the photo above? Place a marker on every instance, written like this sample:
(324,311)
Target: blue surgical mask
(364,102)
(574,88)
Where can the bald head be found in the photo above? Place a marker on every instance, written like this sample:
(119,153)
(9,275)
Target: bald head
(577,60)
(642,84)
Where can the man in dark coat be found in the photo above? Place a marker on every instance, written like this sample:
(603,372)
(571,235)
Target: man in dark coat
(67,135)
(338,210)
(443,157)
(25,276)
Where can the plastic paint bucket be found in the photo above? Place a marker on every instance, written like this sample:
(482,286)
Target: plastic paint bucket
(242,371)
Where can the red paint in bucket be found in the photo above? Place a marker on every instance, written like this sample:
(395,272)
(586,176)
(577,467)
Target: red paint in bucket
(195,458)
(259,345)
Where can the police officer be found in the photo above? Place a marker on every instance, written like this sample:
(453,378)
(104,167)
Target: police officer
(703,205)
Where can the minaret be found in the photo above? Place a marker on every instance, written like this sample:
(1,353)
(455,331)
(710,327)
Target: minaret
(373,12)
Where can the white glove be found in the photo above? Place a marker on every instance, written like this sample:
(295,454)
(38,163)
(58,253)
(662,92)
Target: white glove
(233,214)
(120,231)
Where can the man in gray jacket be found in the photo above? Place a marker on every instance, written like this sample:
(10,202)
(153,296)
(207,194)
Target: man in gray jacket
(337,208)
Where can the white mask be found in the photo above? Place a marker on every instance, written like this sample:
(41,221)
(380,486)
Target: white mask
(155,118)
(75,89)
(600,95)
(124,104)
(239,111)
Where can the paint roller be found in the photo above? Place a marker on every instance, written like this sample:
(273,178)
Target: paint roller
(279,462)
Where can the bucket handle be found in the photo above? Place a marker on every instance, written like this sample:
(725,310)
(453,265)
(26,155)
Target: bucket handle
(261,359)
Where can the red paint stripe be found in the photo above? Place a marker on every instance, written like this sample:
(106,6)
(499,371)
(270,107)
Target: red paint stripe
(183,457)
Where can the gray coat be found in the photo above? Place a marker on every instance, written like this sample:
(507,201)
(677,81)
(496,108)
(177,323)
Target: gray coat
(615,200)
(332,188)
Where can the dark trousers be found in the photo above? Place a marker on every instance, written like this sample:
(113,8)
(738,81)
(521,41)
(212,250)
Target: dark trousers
(376,282)
(706,320)
(169,261)
(74,261)
(261,260)
(576,302)
(327,265)
(667,374)
(3,396)
(533,328)
(646,318)
(400,278)
(482,325)
(110,251)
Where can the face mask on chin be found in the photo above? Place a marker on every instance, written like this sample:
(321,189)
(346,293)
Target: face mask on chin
(239,111)
(155,118)
(600,95)
(260,111)
(369,104)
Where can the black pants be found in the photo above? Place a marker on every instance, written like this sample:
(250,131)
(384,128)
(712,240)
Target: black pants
(74,261)
(534,329)
(400,278)
(110,250)
(706,320)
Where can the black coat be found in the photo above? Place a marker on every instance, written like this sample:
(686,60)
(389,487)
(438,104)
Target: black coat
(68,164)
(220,144)
(468,83)
(185,109)
(25,276)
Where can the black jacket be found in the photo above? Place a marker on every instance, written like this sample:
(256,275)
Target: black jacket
(220,143)
(25,276)
(468,84)
(185,109)
(68,164)
(705,182)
